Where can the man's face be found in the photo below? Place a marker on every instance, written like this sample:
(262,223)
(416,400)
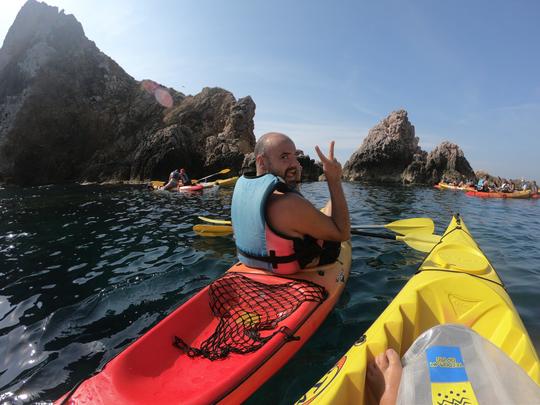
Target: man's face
(280,159)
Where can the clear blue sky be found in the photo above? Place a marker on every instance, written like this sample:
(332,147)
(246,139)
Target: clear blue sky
(466,71)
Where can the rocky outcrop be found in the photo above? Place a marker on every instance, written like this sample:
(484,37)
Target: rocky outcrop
(448,161)
(390,153)
(204,133)
(311,170)
(386,151)
(68,112)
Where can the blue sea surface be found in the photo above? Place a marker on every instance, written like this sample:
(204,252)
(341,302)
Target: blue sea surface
(86,270)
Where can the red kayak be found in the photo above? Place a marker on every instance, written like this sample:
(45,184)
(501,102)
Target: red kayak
(515,194)
(223,343)
(195,187)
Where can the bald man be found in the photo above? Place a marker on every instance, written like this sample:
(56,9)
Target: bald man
(275,227)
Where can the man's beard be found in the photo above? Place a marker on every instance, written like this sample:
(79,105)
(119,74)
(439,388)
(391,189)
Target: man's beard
(291,182)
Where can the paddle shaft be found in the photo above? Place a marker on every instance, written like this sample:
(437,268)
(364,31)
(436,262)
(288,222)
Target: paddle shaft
(225,228)
(402,226)
(375,235)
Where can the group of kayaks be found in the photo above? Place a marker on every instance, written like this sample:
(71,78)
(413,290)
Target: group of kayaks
(197,186)
(472,192)
(204,353)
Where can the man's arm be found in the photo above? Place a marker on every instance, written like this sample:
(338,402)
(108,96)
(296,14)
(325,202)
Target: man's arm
(293,215)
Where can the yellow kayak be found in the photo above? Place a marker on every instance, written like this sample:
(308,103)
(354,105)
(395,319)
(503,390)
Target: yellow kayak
(455,284)
(447,186)
(231,181)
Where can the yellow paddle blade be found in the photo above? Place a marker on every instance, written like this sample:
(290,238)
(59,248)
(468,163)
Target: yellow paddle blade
(157,183)
(421,241)
(215,221)
(412,225)
(222,171)
(212,230)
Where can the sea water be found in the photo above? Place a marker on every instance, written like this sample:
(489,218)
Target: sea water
(86,270)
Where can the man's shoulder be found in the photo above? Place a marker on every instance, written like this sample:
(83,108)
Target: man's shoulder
(287,200)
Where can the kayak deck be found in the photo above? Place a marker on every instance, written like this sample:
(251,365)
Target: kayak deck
(153,370)
(446,186)
(455,284)
(231,181)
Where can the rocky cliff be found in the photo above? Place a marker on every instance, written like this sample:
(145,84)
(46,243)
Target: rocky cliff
(68,112)
(390,154)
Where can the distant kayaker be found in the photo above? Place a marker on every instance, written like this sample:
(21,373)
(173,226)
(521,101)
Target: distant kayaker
(184,178)
(505,186)
(275,227)
(174,177)
(483,184)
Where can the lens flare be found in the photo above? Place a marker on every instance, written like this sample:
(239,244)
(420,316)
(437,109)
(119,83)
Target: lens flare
(160,93)
(163,97)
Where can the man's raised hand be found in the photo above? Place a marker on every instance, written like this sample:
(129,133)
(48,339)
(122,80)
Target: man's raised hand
(331,167)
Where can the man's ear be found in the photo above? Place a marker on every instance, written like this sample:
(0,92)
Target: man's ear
(259,162)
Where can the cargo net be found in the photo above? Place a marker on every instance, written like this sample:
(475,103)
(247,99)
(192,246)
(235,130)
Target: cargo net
(246,308)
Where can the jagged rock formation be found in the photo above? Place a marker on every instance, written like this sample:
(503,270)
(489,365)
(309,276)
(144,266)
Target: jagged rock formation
(210,131)
(68,112)
(386,151)
(448,161)
(390,153)
(311,170)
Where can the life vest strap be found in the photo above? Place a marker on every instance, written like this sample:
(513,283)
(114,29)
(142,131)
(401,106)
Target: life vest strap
(271,258)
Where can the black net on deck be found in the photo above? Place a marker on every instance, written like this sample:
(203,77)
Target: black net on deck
(246,309)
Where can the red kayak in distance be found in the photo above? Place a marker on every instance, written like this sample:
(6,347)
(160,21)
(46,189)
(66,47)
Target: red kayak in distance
(196,187)
(224,342)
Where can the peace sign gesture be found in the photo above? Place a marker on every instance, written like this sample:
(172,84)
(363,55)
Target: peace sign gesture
(331,167)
